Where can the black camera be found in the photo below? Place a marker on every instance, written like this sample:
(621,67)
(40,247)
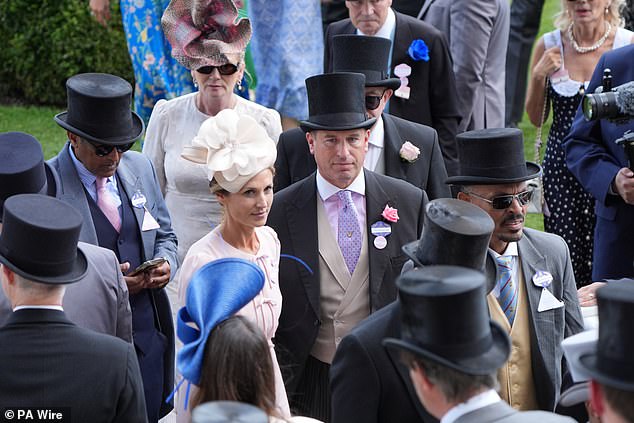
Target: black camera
(607,103)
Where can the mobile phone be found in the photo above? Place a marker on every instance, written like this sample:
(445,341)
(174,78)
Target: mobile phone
(147,266)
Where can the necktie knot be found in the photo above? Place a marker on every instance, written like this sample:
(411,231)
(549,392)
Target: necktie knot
(101,183)
(345,196)
(504,261)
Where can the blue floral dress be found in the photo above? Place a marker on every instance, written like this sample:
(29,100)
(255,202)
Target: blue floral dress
(287,47)
(157,74)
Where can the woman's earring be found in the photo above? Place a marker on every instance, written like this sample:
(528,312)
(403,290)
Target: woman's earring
(195,84)
(240,85)
(607,10)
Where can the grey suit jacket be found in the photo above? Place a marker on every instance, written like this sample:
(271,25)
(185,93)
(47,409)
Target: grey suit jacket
(99,301)
(548,252)
(479,64)
(501,412)
(136,174)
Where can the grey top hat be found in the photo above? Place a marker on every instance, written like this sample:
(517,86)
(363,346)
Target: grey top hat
(99,109)
(23,169)
(455,233)
(434,302)
(336,102)
(367,55)
(228,412)
(492,156)
(39,239)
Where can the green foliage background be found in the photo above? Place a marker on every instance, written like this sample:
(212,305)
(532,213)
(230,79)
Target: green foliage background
(46,41)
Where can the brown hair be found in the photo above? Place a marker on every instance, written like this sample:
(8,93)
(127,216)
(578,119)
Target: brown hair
(620,400)
(237,366)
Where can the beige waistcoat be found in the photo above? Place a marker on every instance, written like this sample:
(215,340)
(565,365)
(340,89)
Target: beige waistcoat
(344,300)
(516,376)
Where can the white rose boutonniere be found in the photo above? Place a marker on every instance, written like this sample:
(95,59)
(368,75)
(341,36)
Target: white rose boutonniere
(409,152)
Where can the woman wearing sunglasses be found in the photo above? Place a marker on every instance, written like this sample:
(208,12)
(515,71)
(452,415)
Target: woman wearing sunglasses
(563,62)
(215,56)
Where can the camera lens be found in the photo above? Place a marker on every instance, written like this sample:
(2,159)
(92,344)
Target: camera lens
(601,106)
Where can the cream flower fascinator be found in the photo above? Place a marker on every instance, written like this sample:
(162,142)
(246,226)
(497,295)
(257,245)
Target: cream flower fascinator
(234,148)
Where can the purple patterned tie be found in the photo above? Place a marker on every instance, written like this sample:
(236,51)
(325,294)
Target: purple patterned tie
(348,231)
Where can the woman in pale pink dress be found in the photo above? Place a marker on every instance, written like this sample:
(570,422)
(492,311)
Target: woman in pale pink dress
(239,157)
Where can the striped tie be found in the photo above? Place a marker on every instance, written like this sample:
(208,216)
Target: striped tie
(508,289)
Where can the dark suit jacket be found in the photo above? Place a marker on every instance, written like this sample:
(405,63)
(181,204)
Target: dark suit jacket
(136,173)
(295,162)
(368,382)
(543,251)
(47,361)
(594,159)
(433,95)
(294,218)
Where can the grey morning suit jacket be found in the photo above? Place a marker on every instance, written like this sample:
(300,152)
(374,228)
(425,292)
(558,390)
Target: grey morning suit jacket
(99,301)
(547,252)
(501,412)
(477,32)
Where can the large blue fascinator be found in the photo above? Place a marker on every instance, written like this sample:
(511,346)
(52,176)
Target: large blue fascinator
(216,292)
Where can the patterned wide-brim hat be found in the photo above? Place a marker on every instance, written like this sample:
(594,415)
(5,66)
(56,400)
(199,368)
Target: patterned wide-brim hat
(204,32)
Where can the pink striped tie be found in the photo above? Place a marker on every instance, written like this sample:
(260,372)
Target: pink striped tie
(106,203)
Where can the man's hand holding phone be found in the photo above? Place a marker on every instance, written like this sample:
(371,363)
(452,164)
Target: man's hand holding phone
(153,273)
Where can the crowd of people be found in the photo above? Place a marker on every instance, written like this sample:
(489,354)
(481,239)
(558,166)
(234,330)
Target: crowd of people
(241,268)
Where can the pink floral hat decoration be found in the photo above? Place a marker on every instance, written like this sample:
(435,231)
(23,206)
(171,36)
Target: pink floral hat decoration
(203,32)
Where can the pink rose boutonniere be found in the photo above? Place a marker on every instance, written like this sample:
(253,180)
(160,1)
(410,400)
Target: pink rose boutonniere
(390,214)
(409,152)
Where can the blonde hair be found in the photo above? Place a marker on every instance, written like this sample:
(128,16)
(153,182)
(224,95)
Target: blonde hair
(215,187)
(563,20)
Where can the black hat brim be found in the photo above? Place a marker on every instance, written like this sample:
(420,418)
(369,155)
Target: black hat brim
(480,364)
(308,126)
(78,271)
(391,83)
(589,363)
(533,171)
(134,134)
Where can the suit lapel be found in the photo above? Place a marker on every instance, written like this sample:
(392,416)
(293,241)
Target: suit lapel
(392,143)
(533,261)
(424,9)
(403,37)
(73,193)
(302,226)
(375,201)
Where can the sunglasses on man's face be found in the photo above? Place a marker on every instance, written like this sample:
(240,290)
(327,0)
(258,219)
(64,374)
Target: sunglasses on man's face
(226,69)
(503,202)
(103,150)
(373,101)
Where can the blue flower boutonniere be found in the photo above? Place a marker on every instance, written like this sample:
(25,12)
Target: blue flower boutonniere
(418,50)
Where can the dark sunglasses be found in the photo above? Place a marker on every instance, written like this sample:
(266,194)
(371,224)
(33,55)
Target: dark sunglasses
(103,150)
(373,101)
(503,202)
(226,69)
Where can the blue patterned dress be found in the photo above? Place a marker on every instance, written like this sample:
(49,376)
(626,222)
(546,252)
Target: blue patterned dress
(287,47)
(157,74)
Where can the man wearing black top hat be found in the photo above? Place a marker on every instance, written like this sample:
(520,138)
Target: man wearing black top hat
(418,55)
(100,301)
(453,361)
(534,297)
(371,385)
(45,360)
(119,198)
(347,225)
(397,147)
(611,365)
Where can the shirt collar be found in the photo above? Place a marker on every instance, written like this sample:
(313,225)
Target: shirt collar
(377,133)
(327,190)
(388,27)
(39,307)
(479,401)
(511,250)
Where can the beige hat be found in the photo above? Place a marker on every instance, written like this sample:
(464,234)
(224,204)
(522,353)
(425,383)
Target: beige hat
(233,147)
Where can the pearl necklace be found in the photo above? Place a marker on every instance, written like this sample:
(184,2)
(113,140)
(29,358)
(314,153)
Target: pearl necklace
(593,47)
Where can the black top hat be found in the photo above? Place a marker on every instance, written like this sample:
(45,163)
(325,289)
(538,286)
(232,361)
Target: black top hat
(23,169)
(336,102)
(39,239)
(455,233)
(99,109)
(366,55)
(612,364)
(492,156)
(445,319)
(228,412)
